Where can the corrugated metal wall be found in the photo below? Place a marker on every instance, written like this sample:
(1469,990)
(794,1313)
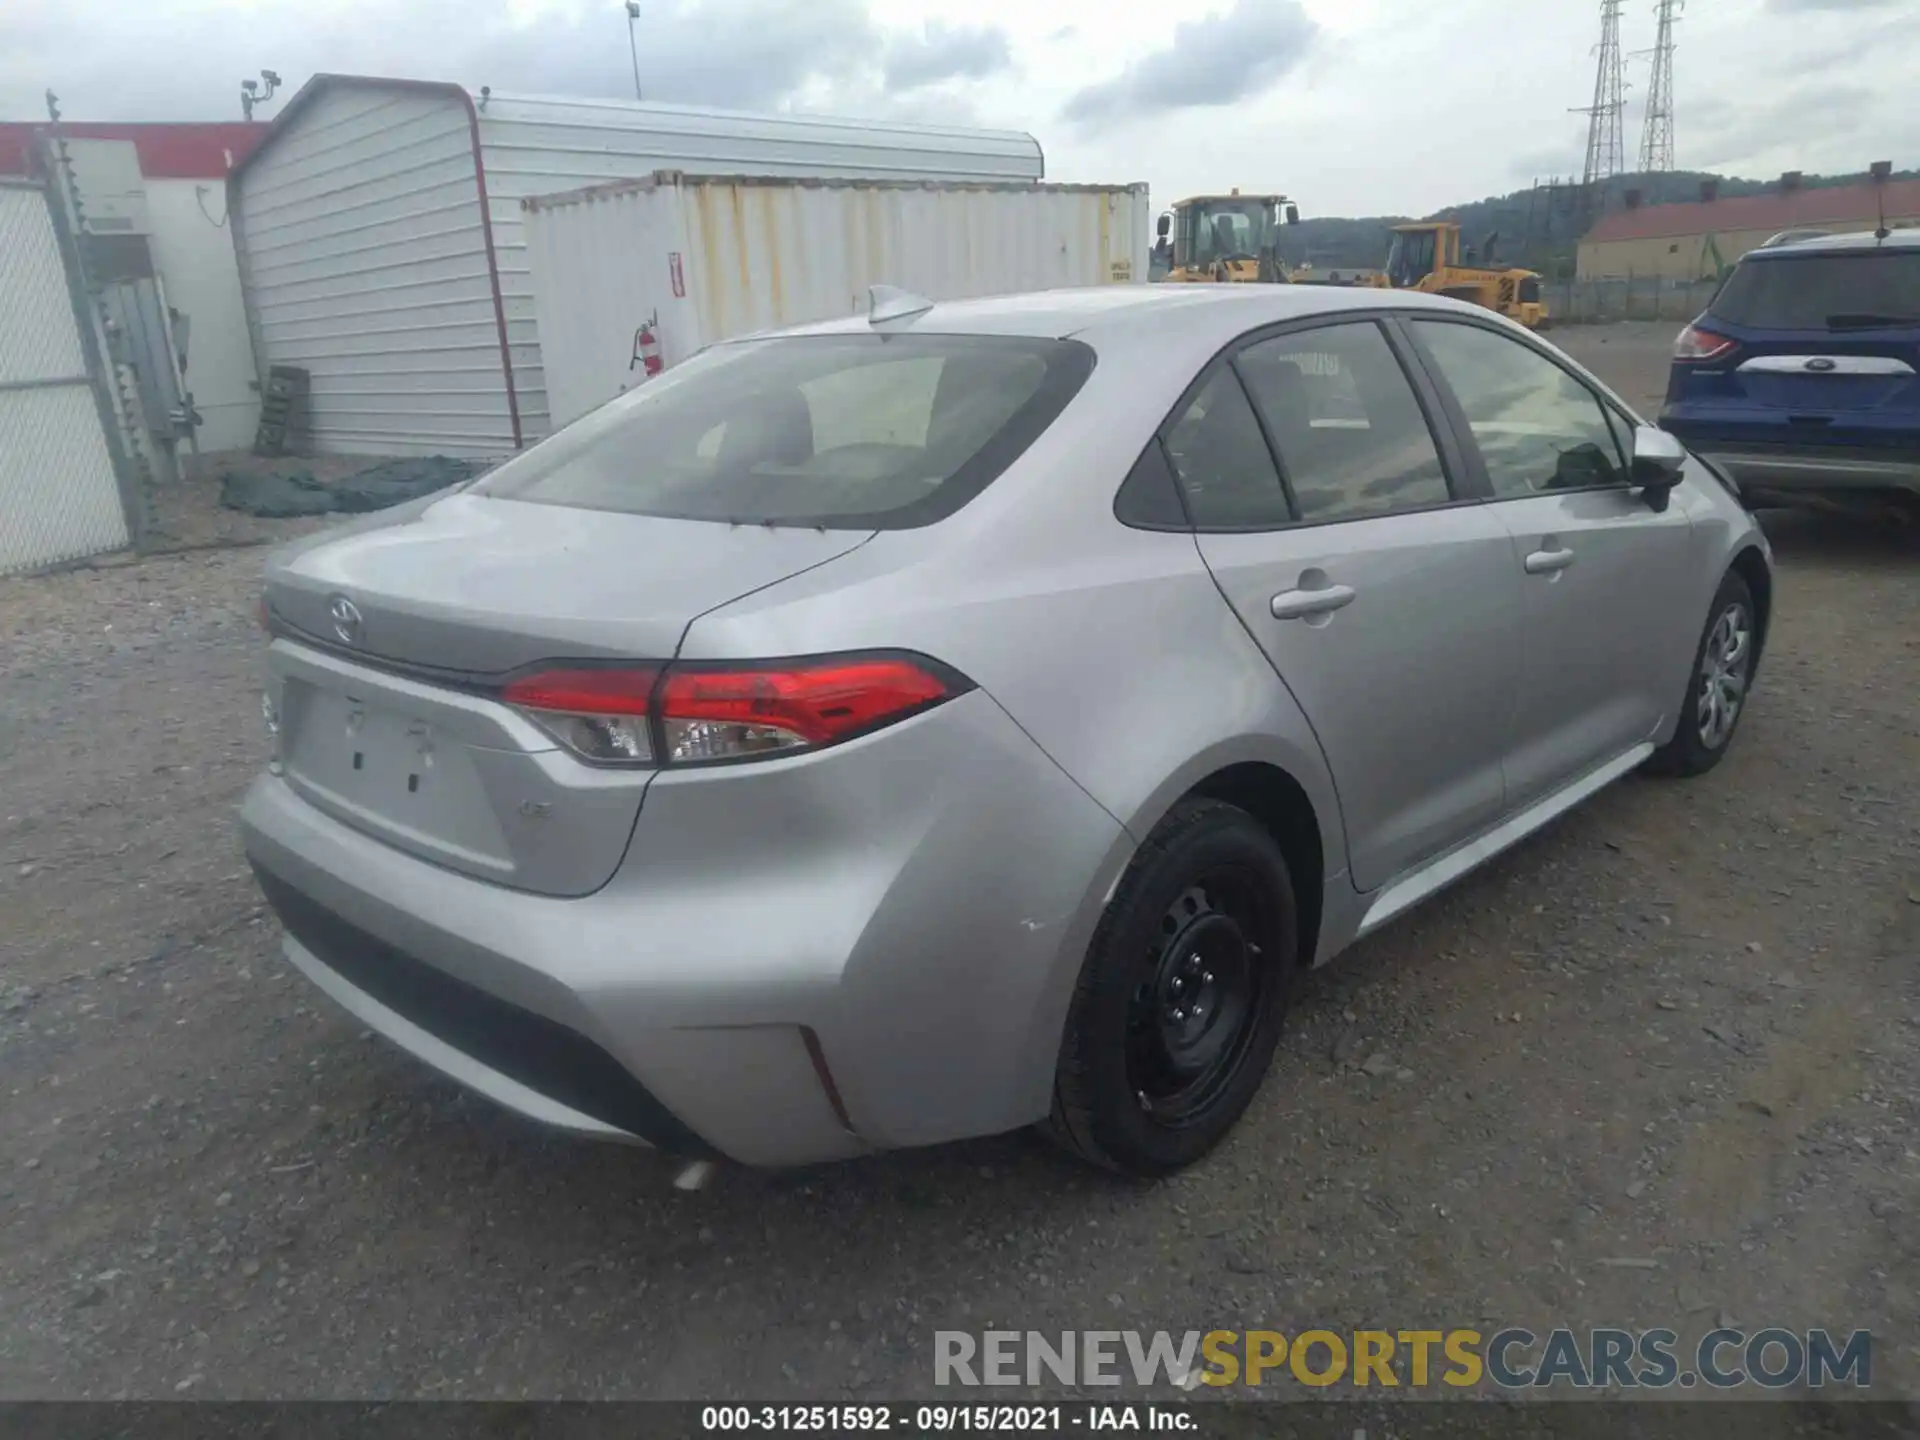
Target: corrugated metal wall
(59,496)
(756,254)
(766,255)
(535,146)
(600,269)
(358,228)
(359,233)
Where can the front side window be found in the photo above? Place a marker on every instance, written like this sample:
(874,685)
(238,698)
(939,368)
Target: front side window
(1351,435)
(843,431)
(1537,428)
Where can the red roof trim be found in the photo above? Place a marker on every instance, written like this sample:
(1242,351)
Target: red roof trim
(1833,205)
(189,151)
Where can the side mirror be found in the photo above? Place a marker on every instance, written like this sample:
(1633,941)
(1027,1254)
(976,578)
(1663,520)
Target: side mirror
(1166,225)
(1659,463)
(1293,214)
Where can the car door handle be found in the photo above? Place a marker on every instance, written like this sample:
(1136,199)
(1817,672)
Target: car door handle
(1299,604)
(1545,562)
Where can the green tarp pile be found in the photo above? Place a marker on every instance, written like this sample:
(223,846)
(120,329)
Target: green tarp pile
(297,492)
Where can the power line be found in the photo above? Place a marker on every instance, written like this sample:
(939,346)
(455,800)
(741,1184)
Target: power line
(1656,139)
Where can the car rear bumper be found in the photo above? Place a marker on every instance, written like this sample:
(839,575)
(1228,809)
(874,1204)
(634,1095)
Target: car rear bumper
(1760,469)
(1760,464)
(798,960)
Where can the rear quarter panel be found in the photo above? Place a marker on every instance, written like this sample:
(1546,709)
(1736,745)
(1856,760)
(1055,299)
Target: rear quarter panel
(1110,648)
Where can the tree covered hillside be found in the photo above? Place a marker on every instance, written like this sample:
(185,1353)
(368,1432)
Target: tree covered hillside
(1537,228)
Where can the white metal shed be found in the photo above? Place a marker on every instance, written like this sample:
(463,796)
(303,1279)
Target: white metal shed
(381,243)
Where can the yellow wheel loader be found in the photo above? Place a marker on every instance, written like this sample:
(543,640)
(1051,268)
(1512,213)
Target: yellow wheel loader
(1426,256)
(1229,239)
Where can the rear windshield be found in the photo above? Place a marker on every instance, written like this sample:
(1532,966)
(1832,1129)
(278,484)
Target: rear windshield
(1872,289)
(842,432)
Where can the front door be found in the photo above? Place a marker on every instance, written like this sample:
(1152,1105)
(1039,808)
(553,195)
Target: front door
(1388,610)
(1605,579)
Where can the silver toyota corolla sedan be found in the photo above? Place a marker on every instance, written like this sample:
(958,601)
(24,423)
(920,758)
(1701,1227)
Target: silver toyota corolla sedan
(967,716)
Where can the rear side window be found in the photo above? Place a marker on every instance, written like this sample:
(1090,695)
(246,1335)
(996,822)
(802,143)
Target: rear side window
(1349,431)
(1223,461)
(841,432)
(1868,290)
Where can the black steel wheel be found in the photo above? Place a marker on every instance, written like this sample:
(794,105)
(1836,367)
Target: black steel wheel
(1192,1014)
(1180,1003)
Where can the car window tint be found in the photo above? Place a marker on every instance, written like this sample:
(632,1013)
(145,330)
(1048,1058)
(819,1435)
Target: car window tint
(1350,433)
(885,404)
(1223,463)
(849,431)
(1537,427)
(1150,497)
(1860,290)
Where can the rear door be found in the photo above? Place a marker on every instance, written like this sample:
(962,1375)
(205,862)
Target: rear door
(1604,578)
(1383,595)
(1828,347)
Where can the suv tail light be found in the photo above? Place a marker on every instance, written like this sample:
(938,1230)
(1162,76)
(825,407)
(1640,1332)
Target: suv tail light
(1695,343)
(702,712)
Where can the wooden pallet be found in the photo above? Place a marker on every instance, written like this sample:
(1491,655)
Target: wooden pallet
(284,409)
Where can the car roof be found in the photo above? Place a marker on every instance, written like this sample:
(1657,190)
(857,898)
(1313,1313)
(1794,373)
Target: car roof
(1840,244)
(1184,312)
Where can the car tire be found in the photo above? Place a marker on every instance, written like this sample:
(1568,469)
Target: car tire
(1720,676)
(1181,999)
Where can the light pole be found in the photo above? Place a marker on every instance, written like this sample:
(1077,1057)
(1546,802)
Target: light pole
(633,45)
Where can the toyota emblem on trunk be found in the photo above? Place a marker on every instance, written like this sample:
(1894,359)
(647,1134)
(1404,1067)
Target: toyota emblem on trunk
(346,619)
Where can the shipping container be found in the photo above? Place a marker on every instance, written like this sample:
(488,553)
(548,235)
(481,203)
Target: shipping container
(695,259)
(379,233)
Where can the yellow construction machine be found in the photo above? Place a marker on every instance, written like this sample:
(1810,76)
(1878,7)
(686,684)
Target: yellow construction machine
(1225,239)
(1426,256)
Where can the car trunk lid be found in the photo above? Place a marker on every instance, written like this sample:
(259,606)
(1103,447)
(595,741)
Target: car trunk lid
(393,642)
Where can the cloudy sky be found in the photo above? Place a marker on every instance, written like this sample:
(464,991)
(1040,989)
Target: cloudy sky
(1350,106)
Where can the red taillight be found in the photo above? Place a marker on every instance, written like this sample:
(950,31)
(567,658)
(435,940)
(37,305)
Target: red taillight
(707,712)
(608,691)
(265,615)
(1695,343)
(725,714)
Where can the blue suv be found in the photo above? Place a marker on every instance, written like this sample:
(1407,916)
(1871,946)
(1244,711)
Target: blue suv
(1804,374)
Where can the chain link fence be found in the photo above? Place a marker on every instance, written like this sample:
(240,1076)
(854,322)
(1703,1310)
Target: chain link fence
(63,493)
(1600,302)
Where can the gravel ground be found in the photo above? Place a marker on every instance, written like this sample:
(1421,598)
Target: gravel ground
(1658,1066)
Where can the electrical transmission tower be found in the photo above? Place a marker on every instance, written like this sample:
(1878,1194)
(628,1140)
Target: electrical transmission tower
(1606,117)
(1656,140)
